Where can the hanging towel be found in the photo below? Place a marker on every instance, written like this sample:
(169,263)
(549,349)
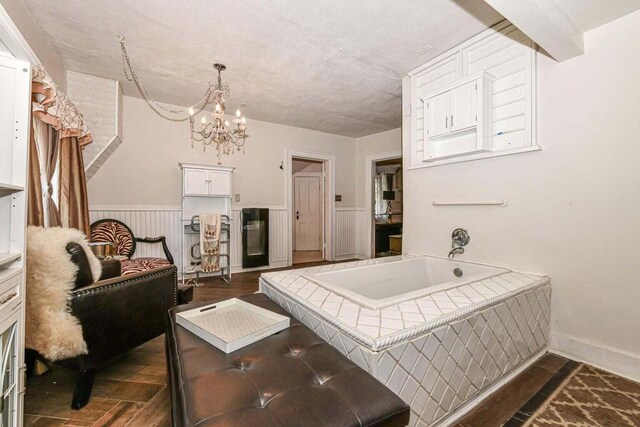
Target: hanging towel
(210,242)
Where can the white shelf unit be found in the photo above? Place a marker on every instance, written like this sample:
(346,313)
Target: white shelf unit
(205,189)
(15,86)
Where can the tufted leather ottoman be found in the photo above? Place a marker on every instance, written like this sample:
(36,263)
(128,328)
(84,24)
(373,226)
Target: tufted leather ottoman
(292,378)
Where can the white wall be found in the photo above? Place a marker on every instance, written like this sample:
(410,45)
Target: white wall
(144,169)
(372,144)
(574,208)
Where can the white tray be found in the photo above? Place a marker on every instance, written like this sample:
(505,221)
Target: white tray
(231,324)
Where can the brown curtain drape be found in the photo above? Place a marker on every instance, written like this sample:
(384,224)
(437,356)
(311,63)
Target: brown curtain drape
(43,161)
(35,210)
(73,201)
(56,166)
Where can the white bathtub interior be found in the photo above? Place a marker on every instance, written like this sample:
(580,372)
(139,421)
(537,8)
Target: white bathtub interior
(389,283)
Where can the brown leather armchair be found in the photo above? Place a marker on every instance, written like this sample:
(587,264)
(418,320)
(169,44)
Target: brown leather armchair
(117,314)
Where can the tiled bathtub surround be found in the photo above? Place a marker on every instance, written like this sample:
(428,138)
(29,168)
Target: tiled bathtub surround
(439,353)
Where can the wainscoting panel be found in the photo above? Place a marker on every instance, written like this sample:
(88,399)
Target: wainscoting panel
(148,222)
(363,230)
(345,235)
(156,221)
(278,239)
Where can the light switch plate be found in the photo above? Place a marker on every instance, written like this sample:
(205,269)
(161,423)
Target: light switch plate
(237,197)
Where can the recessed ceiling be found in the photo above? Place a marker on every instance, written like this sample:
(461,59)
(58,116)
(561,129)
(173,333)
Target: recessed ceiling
(328,65)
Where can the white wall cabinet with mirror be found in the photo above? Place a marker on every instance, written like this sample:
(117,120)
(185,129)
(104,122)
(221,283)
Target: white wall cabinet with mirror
(474,101)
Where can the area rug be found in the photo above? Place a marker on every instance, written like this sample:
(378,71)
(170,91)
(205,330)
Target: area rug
(590,397)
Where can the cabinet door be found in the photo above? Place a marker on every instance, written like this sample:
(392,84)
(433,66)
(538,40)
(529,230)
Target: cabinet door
(220,183)
(464,102)
(437,117)
(196,182)
(11,343)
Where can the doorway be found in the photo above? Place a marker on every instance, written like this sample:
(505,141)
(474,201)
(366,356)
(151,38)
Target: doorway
(386,207)
(308,227)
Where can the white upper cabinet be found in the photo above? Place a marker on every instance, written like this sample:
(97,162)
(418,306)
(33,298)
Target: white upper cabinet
(196,182)
(437,114)
(474,101)
(458,117)
(464,106)
(199,181)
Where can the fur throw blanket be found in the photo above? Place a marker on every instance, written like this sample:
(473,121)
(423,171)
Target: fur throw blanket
(51,329)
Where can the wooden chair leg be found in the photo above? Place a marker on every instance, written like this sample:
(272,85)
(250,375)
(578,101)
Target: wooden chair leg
(82,391)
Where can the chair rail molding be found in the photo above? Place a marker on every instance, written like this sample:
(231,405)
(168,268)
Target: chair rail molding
(166,220)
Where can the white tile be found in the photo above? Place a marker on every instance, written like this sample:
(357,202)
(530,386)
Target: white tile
(391,314)
(391,324)
(386,364)
(420,367)
(397,379)
(413,317)
(409,358)
(409,390)
(368,321)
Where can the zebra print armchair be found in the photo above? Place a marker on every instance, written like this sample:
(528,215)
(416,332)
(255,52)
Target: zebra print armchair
(118,233)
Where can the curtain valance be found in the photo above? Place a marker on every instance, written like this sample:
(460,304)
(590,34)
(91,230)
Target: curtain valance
(52,106)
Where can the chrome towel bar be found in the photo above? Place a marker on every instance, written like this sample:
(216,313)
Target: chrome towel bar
(502,202)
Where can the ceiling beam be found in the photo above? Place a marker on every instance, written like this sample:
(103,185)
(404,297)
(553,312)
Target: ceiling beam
(546,23)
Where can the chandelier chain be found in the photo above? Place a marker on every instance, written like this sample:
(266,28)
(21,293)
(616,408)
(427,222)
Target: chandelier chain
(219,133)
(131,76)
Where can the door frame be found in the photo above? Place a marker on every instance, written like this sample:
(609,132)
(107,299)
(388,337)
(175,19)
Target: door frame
(322,203)
(329,163)
(368,197)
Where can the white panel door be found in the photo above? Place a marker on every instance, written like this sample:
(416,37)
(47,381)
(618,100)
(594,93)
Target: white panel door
(464,101)
(196,182)
(437,117)
(308,213)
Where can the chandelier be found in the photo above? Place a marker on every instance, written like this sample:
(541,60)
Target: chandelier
(218,131)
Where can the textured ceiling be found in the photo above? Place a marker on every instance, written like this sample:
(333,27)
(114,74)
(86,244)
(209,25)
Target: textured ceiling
(329,65)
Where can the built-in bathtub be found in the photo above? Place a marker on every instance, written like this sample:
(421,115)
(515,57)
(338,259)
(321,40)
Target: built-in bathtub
(386,284)
(439,341)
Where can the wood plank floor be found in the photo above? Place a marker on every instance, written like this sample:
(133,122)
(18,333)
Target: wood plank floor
(133,390)
(130,392)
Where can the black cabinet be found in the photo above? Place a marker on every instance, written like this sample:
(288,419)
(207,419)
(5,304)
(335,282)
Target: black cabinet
(255,237)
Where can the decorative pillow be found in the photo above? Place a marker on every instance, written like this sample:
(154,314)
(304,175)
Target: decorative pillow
(116,233)
(137,265)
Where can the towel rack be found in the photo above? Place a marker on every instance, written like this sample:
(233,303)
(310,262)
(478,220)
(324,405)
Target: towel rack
(502,202)
(225,226)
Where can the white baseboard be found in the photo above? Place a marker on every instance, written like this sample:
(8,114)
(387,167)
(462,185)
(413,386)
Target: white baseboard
(273,264)
(609,359)
(344,257)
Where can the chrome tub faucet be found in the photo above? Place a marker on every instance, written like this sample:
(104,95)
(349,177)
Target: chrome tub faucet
(459,238)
